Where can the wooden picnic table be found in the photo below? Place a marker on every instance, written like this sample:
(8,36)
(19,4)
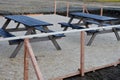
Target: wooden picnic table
(31,25)
(86,20)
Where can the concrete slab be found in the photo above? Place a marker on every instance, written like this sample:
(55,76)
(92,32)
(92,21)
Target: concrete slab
(104,50)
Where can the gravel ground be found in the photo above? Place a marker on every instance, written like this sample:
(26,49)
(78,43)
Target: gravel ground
(104,50)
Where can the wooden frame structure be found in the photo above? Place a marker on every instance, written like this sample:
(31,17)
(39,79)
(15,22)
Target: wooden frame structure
(82,69)
(28,53)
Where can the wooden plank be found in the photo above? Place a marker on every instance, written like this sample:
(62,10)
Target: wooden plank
(15,29)
(33,59)
(26,62)
(6,24)
(52,39)
(15,52)
(55,6)
(93,16)
(27,21)
(86,70)
(103,66)
(91,39)
(82,54)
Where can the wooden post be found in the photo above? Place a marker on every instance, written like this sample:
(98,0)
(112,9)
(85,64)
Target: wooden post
(82,54)
(86,10)
(26,62)
(68,6)
(83,8)
(33,59)
(101,11)
(55,7)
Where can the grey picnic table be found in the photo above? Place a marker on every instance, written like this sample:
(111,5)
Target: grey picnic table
(31,25)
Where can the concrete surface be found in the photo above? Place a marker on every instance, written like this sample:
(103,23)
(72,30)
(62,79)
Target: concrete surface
(105,49)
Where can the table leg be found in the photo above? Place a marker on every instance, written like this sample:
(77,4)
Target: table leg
(70,20)
(116,34)
(91,39)
(15,52)
(65,28)
(69,23)
(6,24)
(33,31)
(17,25)
(55,42)
(53,39)
(17,49)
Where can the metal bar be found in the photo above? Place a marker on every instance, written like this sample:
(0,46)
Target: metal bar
(58,32)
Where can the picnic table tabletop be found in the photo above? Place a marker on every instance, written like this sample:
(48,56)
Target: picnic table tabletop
(93,16)
(28,21)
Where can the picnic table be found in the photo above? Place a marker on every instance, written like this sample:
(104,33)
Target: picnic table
(86,20)
(30,26)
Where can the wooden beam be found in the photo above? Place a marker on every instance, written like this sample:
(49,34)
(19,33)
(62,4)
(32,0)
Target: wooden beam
(101,11)
(33,59)
(82,62)
(55,6)
(26,62)
(87,70)
(68,6)
(103,66)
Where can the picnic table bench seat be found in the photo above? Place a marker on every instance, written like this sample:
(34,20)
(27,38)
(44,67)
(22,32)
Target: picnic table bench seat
(95,22)
(42,30)
(6,34)
(74,26)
